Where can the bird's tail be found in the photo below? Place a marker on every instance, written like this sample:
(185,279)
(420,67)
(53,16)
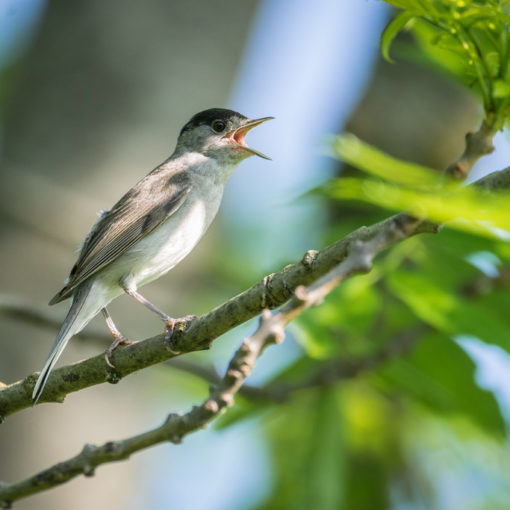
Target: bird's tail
(73,323)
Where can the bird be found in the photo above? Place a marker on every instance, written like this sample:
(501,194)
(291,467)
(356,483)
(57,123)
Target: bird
(152,227)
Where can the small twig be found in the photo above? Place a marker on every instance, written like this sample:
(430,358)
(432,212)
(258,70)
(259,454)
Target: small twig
(478,144)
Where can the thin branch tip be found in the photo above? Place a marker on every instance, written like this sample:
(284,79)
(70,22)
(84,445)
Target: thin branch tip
(226,398)
(211,406)
(477,144)
(301,294)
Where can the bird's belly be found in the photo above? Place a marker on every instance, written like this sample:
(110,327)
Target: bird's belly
(164,247)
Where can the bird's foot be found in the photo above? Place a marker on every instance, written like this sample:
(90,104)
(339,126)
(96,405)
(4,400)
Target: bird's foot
(118,340)
(171,324)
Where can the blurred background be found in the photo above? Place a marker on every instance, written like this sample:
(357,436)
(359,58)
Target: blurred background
(398,409)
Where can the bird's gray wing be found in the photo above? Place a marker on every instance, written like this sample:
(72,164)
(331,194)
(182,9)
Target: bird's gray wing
(134,216)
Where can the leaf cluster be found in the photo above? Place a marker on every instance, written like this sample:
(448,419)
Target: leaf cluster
(468,38)
(401,185)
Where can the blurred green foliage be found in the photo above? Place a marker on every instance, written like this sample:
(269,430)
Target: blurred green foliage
(349,434)
(423,192)
(383,408)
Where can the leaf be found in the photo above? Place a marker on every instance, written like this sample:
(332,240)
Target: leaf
(484,14)
(440,375)
(392,30)
(439,256)
(415,5)
(441,50)
(352,150)
(501,89)
(447,312)
(308,453)
(465,208)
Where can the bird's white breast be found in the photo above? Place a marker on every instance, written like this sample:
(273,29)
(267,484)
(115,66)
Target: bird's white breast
(169,243)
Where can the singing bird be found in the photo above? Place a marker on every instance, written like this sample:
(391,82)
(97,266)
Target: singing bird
(153,226)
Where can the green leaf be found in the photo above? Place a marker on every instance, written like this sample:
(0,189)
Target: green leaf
(415,5)
(493,64)
(422,191)
(392,30)
(309,453)
(447,312)
(440,375)
(465,38)
(501,89)
(352,150)
(441,50)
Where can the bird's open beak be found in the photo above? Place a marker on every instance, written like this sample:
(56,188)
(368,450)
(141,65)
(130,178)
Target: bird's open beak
(236,137)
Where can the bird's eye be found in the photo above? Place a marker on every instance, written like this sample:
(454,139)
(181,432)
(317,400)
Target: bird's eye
(218,126)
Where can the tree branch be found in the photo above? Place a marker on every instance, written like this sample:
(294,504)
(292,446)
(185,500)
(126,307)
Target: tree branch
(478,144)
(30,313)
(42,317)
(326,373)
(271,292)
(271,330)
(499,180)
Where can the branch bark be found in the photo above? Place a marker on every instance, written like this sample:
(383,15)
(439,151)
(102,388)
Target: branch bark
(326,372)
(478,144)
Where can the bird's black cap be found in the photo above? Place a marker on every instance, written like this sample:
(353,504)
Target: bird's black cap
(207,116)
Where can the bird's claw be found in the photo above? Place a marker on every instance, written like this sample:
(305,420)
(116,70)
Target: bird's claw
(170,329)
(119,340)
(169,332)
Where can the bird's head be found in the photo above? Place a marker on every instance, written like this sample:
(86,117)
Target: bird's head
(219,133)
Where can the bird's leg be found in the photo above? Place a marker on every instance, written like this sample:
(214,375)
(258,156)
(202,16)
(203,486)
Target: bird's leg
(170,322)
(118,337)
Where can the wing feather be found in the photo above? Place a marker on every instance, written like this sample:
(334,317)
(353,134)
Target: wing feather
(134,216)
